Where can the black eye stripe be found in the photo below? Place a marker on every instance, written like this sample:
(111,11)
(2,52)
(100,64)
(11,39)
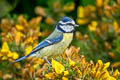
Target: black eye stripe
(60,24)
(70,24)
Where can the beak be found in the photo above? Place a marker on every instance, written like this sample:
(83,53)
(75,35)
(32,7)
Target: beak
(76,25)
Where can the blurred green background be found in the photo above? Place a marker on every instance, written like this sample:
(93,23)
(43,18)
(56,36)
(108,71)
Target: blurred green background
(98,35)
(59,8)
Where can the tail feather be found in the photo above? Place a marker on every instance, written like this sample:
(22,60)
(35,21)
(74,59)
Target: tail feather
(24,57)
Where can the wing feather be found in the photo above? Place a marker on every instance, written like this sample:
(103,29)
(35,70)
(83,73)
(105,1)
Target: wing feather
(55,37)
(46,43)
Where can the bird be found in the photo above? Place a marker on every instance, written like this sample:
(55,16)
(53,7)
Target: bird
(56,43)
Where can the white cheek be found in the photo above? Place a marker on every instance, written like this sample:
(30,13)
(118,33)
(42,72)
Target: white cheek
(67,28)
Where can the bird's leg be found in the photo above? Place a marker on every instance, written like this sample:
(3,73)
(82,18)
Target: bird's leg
(50,65)
(48,62)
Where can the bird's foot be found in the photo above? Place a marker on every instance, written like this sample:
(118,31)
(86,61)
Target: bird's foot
(50,65)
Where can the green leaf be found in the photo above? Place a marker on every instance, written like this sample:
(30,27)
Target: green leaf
(6,7)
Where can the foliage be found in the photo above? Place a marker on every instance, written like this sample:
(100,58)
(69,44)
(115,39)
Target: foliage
(97,38)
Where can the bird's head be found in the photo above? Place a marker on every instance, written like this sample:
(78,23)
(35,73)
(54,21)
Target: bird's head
(66,25)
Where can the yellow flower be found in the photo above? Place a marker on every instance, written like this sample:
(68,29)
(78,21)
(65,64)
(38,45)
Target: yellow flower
(66,73)
(72,63)
(4,58)
(40,34)
(38,28)
(80,12)
(28,50)
(15,55)
(81,17)
(99,3)
(35,65)
(81,21)
(94,23)
(39,61)
(97,75)
(79,72)
(10,54)
(30,39)
(107,13)
(5,47)
(111,78)
(105,75)
(115,25)
(116,64)
(65,78)
(18,36)
(93,26)
(17,65)
(116,73)
(50,75)
(19,27)
(59,68)
(7,36)
(106,65)
(99,63)
(35,44)
(1,55)
(93,71)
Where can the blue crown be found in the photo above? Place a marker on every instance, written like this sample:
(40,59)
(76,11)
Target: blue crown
(65,19)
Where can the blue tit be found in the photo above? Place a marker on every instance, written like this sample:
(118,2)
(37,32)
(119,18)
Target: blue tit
(56,43)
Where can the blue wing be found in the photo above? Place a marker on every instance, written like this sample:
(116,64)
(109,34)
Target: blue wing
(47,42)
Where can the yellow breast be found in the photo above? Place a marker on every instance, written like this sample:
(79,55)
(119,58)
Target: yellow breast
(58,48)
(67,37)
